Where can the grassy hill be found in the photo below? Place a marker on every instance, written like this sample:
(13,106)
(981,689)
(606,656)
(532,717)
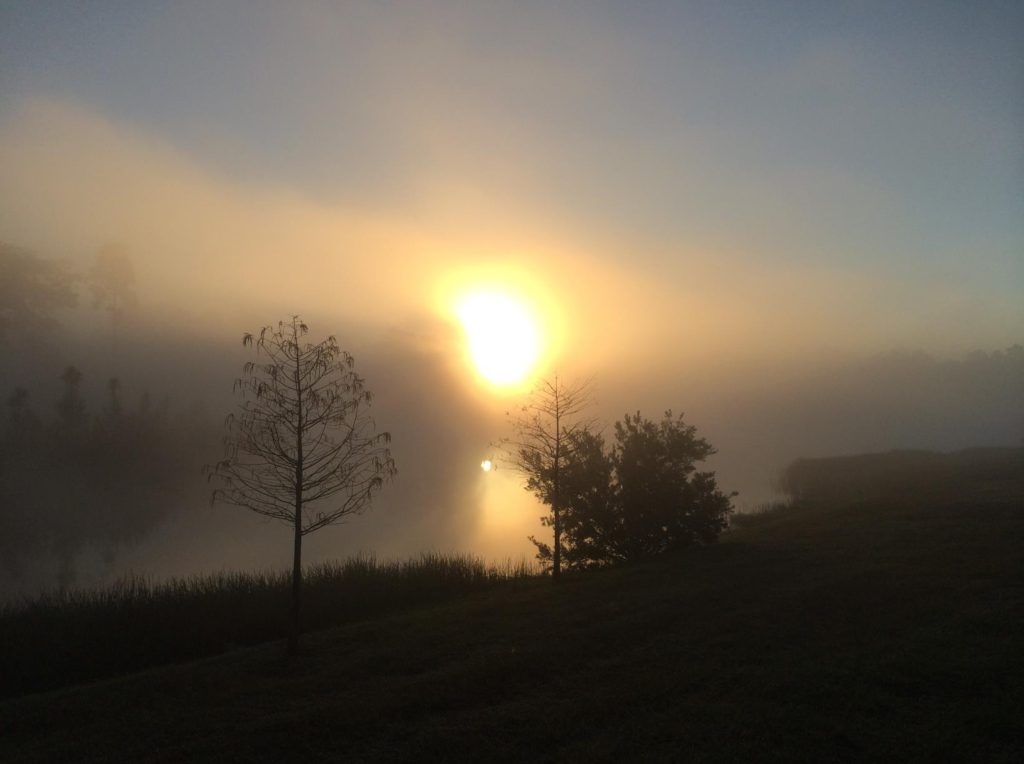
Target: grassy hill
(877,626)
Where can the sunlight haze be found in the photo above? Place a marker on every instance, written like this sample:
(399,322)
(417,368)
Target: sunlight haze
(504,340)
(797,223)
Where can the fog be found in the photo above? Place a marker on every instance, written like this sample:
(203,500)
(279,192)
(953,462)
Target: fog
(771,356)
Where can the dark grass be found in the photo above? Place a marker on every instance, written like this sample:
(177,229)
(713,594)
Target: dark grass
(62,638)
(882,629)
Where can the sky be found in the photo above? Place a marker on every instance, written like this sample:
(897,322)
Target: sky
(710,207)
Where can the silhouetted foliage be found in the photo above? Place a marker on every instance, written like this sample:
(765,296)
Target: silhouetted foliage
(32,290)
(23,426)
(546,431)
(587,502)
(81,482)
(71,407)
(112,282)
(666,502)
(642,497)
(302,448)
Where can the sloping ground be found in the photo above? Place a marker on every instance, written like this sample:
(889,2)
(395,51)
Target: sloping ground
(884,629)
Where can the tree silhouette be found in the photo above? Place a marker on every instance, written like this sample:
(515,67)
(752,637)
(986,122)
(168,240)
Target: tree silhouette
(302,448)
(586,504)
(546,433)
(112,281)
(71,406)
(78,480)
(19,529)
(31,291)
(664,501)
(22,424)
(642,497)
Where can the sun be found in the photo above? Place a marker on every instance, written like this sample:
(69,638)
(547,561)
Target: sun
(502,336)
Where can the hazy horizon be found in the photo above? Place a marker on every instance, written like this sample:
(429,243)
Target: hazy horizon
(794,224)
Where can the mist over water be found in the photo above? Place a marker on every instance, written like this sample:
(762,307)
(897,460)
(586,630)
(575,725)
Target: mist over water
(789,290)
(442,500)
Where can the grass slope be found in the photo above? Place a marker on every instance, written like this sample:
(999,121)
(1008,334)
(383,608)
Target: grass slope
(63,638)
(886,628)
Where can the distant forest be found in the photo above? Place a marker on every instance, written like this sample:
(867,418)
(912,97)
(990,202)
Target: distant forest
(101,479)
(80,474)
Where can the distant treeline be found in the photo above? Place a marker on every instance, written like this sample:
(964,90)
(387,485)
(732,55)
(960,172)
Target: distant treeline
(841,480)
(73,479)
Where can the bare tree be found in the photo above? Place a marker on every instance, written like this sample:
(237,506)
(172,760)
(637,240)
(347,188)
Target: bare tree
(545,433)
(302,448)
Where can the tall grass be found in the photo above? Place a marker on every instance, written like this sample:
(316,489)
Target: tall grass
(759,513)
(60,638)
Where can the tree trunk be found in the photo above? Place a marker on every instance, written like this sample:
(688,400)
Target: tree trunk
(296,624)
(556,568)
(293,633)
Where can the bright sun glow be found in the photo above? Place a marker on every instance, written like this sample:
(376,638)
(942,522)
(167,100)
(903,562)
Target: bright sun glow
(487,465)
(504,341)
